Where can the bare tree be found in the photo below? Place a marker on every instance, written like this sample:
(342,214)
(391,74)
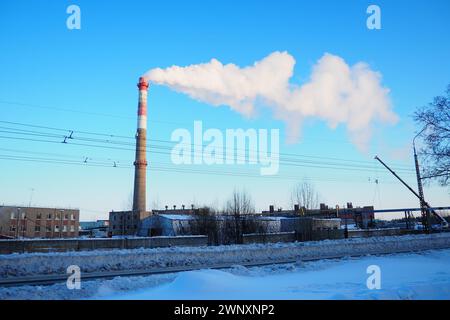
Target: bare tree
(206,223)
(155,203)
(128,204)
(435,117)
(305,195)
(239,206)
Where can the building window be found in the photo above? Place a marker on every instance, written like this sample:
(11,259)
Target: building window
(72,229)
(13,216)
(72,217)
(49,216)
(64,228)
(56,228)
(38,216)
(12,228)
(48,229)
(66,216)
(57,217)
(23,215)
(37,229)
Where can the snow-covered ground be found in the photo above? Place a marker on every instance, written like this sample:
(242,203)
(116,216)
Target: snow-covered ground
(424,275)
(16,265)
(404,276)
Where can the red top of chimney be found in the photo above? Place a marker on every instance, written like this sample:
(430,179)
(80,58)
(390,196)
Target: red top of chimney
(142,85)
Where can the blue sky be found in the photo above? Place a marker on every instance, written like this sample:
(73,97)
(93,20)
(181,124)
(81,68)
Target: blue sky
(85,80)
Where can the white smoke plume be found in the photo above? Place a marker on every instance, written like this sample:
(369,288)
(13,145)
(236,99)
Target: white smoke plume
(335,92)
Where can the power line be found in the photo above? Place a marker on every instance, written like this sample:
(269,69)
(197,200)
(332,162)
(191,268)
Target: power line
(84,157)
(110,115)
(106,162)
(307,164)
(63,109)
(169,141)
(121,116)
(169,169)
(109,141)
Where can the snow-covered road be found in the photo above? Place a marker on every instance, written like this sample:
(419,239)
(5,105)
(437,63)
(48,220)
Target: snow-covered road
(424,275)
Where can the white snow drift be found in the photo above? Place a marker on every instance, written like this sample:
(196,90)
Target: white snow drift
(406,276)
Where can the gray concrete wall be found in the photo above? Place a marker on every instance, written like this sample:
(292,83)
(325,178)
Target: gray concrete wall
(60,245)
(269,237)
(380,232)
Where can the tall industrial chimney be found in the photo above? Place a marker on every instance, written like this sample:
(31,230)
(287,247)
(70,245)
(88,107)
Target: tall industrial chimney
(140,164)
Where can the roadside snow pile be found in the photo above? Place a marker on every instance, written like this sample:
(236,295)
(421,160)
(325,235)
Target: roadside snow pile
(137,259)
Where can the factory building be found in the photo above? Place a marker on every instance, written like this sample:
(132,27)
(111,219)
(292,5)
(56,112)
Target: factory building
(94,229)
(34,222)
(125,223)
(221,228)
(362,217)
(167,225)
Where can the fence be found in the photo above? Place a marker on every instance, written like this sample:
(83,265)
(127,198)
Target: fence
(58,245)
(269,237)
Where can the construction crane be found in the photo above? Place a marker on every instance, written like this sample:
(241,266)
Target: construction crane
(443,222)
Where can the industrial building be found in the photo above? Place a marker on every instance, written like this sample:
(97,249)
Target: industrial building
(94,229)
(126,222)
(167,225)
(222,228)
(35,222)
(362,217)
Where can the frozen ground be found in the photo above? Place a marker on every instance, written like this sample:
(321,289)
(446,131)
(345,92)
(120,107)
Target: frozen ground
(424,275)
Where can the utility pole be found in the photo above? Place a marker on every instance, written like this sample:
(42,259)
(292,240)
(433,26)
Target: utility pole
(444,222)
(24,226)
(52,223)
(425,213)
(61,223)
(31,196)
(17,223)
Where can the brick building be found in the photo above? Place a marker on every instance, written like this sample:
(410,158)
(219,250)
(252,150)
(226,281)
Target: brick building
(125,223)
(34,222)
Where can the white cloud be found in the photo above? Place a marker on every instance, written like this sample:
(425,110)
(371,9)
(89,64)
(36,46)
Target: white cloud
(335,92)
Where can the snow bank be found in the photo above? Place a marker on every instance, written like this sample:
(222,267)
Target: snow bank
(407,276)
(423,275)
(139,259)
